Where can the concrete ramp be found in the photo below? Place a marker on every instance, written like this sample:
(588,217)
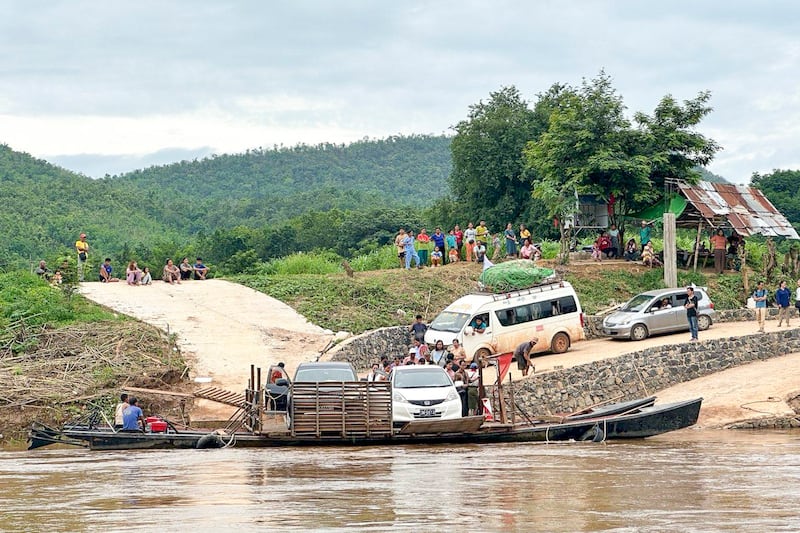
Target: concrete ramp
(221,327)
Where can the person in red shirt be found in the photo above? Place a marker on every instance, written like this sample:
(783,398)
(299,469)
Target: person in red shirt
(718,244)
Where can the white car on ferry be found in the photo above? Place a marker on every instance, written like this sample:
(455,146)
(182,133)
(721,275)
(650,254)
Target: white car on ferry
(423,392)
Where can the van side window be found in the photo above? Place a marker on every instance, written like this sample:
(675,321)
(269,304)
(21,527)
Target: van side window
(567,305)
(542,310)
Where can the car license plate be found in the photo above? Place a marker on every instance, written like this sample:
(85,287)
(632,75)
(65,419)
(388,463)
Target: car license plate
(423,413)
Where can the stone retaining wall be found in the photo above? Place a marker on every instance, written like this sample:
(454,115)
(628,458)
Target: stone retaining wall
(642,373)
(626,377)
(363,350)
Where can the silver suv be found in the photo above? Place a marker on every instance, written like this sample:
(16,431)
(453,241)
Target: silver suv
(659,311)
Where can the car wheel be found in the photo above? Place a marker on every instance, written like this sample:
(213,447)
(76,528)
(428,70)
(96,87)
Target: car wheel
(560,343)
(703,322)
(639,332)
(481,356)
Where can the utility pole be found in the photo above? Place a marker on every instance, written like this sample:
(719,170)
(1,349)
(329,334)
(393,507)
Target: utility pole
(670,251)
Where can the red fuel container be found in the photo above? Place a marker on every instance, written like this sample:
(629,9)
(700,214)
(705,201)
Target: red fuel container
(158,426)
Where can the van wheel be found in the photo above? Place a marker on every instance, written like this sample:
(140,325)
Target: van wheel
(481,356)
(639,332)
(560,343)
(703,322)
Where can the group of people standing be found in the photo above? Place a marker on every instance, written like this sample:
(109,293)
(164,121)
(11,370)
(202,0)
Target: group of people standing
(783,296)
(471,244)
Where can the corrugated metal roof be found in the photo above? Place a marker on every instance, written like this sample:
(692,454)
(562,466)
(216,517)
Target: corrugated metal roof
(746,209)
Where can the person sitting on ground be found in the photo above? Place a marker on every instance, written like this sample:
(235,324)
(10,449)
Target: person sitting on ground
(133,417)
(171,273)
(411,358)
(186,269)
(105,272)
(605,246)
(43,271)
(436,257)
(631,251)
(478,325)
(133,274)
(480,251)
(527,250)
(200,270)
(649,256)
(537,252)
(57,279)
(119,410)
(452,255)
(147,278)
(597,255)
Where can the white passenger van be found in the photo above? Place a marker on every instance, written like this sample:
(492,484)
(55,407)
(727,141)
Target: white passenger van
(550,312)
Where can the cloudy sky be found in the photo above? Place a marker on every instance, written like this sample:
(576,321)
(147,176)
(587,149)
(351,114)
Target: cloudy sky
(106,87)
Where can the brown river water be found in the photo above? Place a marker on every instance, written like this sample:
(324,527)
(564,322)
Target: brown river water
(687,481)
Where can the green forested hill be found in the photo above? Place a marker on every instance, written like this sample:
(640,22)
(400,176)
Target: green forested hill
(160,210)
(270,185)
(46,207)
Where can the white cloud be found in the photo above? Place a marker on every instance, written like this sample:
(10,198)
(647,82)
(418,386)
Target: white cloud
(129,79)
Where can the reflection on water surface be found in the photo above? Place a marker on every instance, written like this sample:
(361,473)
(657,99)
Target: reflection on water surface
(688,481)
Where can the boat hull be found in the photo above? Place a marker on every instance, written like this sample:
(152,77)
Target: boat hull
(642,423)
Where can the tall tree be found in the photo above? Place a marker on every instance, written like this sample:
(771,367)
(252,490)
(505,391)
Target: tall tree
(591,148)
(489,178)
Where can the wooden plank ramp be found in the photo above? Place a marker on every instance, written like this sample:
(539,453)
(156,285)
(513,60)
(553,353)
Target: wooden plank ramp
(469,424)
(215,394)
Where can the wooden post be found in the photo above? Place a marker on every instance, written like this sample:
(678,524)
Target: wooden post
(670,251)
(697,244)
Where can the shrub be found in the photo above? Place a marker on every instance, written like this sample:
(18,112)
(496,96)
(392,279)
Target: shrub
(300,263)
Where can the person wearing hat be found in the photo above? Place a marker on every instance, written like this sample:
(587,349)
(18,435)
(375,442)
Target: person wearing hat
(82,247)
(523,355)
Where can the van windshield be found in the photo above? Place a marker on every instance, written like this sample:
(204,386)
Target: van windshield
(449,321)
(636,304)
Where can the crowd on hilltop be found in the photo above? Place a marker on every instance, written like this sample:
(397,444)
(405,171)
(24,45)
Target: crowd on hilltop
(472,244)
(134,275)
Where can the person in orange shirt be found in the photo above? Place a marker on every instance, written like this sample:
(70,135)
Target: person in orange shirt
(718,244)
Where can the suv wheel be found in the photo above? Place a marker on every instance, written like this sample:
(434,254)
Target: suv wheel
(639,332)
(703,322)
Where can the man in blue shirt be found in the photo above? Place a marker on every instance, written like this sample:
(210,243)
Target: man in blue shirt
(132,416)
(760,297)
(782,297)
(200,270)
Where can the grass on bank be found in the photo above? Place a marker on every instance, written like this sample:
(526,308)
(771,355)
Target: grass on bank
(316,286)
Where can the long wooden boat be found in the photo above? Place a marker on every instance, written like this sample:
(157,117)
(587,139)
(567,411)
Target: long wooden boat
(624,422)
